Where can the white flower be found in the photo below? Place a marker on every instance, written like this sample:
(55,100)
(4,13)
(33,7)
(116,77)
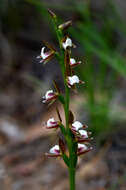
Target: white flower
(83,133)
(67,43)
(73,62)
(55,150)
(50,95)
(45,56)
(76,125)
(82,147)
(73,80)
(51,123)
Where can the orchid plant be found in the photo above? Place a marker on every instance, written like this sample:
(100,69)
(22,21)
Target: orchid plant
(76,138)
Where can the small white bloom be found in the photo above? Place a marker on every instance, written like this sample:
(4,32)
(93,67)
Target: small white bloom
(82,147)
(43,54)
(55,149)
(51,123)
(73,80)
(83,133)
(72,61)
(67,43)
(48,94)
(77,125)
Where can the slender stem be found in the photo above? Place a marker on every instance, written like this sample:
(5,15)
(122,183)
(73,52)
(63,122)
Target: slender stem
(67,98)
(72,178)
(69,138)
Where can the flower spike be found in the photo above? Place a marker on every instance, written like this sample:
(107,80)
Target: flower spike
(45,56)
(74,140)
(50,95)
(51,123)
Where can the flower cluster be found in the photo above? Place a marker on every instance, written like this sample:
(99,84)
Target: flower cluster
(79,132)
(77,128)
(75,133)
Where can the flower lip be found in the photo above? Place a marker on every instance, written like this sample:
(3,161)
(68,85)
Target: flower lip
(50,95)
(76,125)
(55,149)
(54,152)
(67,43)
(45,56)
(51,123)
(83,133)
(82,147)
(72,80)
(73,62)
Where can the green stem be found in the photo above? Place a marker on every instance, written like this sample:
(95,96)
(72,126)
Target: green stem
(66,107)
(72,145)
(72,178)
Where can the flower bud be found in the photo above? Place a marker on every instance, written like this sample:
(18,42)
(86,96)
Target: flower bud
(65,25)
(52,14)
